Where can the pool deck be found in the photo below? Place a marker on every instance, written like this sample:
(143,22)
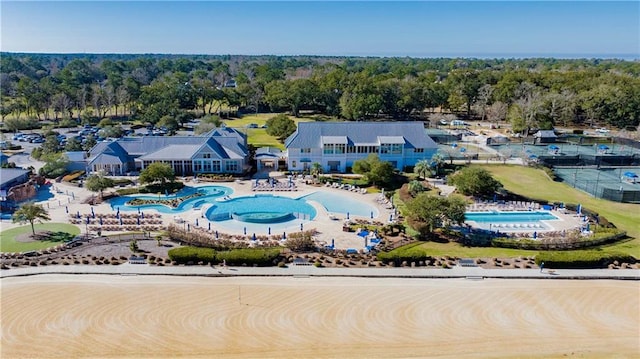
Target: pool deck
(327,227)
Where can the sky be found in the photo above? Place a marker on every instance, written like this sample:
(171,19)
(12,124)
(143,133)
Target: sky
(335,28)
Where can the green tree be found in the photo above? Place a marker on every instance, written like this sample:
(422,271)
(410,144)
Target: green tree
(90,142)
(157,172)
(281,126)
(426,213)
(73,144)
(98,183)
(422,168)
(51,144)
(415,187)
(55,165)
(30,212)
(375,170)
(475,181)
(316,169)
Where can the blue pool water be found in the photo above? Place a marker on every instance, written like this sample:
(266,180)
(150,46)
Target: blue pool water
(210,194)
(263,206)
(510,217)
(336,203)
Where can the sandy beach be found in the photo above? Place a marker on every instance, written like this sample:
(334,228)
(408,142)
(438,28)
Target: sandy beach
(102,316)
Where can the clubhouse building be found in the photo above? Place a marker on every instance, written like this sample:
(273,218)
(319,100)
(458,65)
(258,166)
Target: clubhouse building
(337,145)
(222,150)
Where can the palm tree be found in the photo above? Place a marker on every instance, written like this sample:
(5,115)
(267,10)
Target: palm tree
(422,168)
(30,212)
(316,169)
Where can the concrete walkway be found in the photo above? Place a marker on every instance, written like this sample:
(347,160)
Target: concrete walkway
(470,273)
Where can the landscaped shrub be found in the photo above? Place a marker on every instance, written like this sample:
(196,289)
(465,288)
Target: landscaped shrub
(409,253)
(581,259)
(250,256)
(126,191)
(184,255)
(170,202)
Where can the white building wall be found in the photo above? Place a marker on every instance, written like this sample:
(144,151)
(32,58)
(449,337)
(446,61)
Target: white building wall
(296,160)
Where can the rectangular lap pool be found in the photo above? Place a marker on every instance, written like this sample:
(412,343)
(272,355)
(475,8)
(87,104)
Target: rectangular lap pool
(523,220)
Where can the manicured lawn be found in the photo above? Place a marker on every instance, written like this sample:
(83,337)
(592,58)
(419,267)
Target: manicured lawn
(9,244)
(455,250)
(259,138)
(534,184)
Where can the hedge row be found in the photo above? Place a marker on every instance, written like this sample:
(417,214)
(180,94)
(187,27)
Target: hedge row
(600,237)
(409,253)
(581,259)
(244,256)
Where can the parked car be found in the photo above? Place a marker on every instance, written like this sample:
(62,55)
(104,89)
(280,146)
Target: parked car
(602,130)
(38,140)
(18,136)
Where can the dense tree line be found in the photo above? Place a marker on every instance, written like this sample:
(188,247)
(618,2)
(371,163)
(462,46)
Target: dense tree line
(171,89)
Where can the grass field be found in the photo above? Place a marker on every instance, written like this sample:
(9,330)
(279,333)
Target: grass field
(258,137)
(8,238)
(535,184)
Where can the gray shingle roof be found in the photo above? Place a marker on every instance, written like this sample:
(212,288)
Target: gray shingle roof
(545,133)
(226,142)
(310,134)
(9,174)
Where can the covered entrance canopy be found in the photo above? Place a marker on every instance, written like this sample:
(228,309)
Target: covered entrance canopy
(267,158)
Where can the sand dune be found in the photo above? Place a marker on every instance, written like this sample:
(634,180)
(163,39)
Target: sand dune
(136,316)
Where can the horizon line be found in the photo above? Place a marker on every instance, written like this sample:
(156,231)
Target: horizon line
(497,56)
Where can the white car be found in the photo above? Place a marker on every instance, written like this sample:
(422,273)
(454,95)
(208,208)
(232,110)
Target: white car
(602,130)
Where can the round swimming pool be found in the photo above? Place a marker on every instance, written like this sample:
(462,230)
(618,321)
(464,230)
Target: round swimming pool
(262,208)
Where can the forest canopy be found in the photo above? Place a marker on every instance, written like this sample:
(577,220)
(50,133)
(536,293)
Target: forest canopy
(529,93)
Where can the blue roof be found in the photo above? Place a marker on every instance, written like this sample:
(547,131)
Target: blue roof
(314,134)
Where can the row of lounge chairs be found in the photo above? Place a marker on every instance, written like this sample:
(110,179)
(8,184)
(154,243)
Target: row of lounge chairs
(505,206)
(346,187)
(384,202)
(519,226)
(275,187)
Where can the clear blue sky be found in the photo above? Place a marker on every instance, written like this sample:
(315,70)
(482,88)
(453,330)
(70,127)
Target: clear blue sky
(418,28)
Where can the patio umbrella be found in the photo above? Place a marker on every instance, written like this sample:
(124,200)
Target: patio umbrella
(66,209)
(579,209)
(197,222)
(138,210)
(138,220)
(365,241)
(301,227)
(216,234)
(209,225)
(78,214)
(284,235)
(391,217)
(100,220)
(333,243)
(59,204)
(371,214)
(117,210)
(245,231)
(73,195)
(347,215)
(253,237)
(535,235)
(120,221)
(88,220)
(142,215)
(188,227)
(269,230)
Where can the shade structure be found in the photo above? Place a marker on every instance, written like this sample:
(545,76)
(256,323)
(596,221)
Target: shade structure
(78,215)
(138,220)
(269,231)
(88,220)
(371,214)
(253,237)
(284,235)
(301,227)
(216,234)
(138,210)
(333,243)
(100,220)
(120,221)
(209,225)
(66,209)
(535,235)
(347,215)
(142,214)
(197,224)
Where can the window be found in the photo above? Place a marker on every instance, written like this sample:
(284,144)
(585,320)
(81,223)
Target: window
(207,166)
(305,150)
(351,149)
(340,149)
(418,150)
(216,166)
(197,166)
(231,166)
(396,149)
(327,149)
(206,155)
(294,164)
